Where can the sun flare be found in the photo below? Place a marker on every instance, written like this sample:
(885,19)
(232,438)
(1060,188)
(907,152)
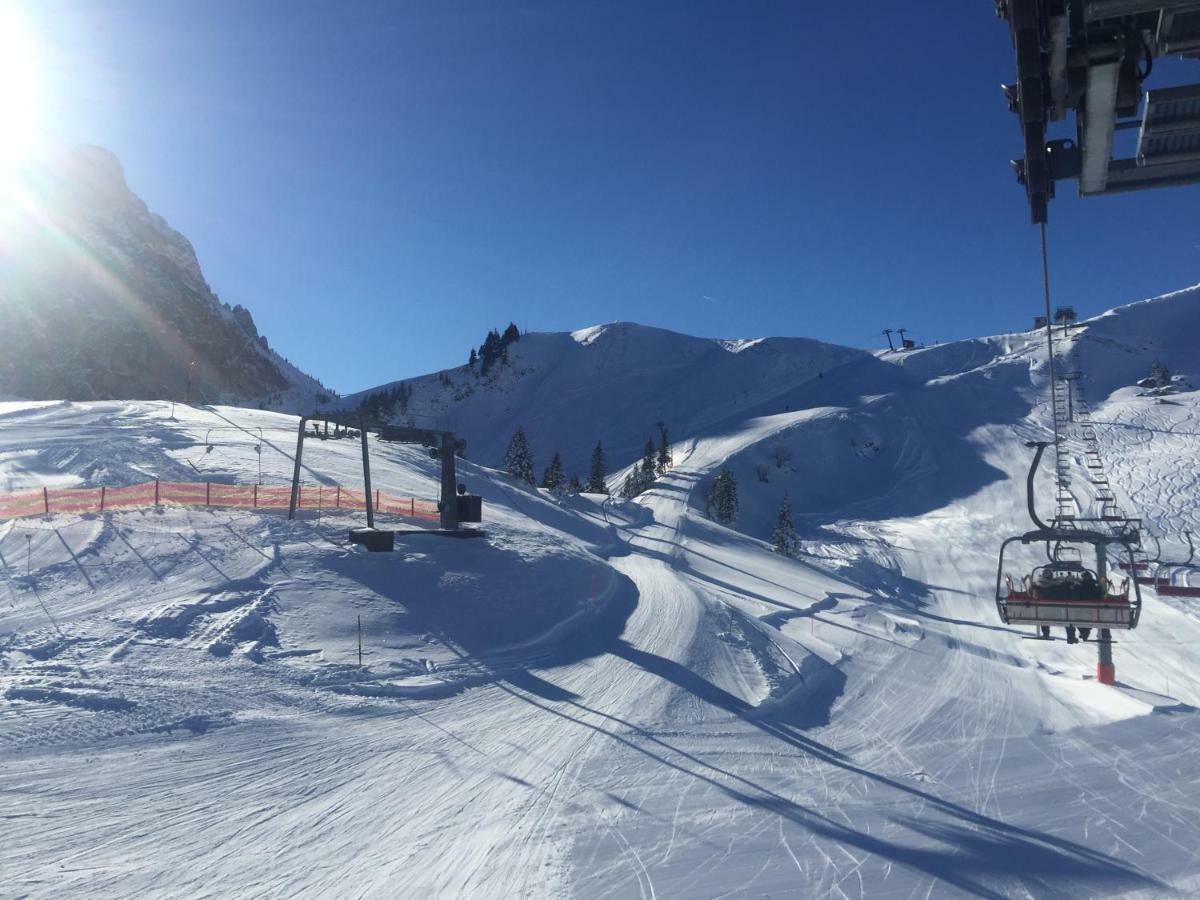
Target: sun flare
(18,90)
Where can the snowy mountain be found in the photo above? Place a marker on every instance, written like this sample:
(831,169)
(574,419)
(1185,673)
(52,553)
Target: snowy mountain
(101,298)
(615,384)
(851,432)
(605,697)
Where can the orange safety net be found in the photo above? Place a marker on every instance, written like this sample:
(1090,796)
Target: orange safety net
(205,494)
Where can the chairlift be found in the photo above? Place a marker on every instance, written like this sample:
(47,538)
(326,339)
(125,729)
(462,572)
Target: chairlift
(1144,567)
(1171,578)
(1066,557)
(1058,594)
(1064,591)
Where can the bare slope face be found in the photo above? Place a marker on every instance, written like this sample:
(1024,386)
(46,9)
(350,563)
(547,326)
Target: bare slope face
(946,427)
(614,384)
(100,298)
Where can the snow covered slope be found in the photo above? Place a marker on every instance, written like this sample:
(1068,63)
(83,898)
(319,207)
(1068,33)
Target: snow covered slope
(612,383)
(607,699)
(100,298)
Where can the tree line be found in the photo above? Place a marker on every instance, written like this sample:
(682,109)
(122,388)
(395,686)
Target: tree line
(494,349)
(519,464)
(720,499)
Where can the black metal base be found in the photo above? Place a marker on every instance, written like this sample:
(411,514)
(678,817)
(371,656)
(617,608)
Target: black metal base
(374,539)
(381,540)
(459,533)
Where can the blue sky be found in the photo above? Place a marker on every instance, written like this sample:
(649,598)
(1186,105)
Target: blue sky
(381,182)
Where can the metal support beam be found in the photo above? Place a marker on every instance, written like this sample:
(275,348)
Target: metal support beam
(296,471)
(1098,118)
(1127,175)
(448,507)
(1106,672)
(366,455)
(1033,467)
(1095,10)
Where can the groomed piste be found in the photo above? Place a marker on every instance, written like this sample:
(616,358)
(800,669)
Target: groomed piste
(605,697)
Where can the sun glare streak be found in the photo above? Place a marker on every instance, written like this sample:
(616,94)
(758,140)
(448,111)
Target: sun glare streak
(18,89)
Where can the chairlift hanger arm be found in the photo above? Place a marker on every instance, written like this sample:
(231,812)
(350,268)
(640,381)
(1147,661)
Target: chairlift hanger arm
(1090,58)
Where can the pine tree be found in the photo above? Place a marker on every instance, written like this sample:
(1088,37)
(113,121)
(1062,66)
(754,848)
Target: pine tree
(471,362)
(640,477)
(784,538)
(511,334)
(576,486)
(598,473)
(552,478)
(489,352)
(664,461)
(632,485)
(722,502)
(518,460)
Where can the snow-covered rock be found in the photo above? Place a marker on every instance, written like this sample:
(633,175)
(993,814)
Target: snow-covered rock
(101,298)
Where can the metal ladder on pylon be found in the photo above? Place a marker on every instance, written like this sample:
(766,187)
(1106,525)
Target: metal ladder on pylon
(1077,438)
(1065,506)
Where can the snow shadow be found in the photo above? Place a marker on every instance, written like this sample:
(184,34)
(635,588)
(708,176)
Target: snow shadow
(900,452)
(499,611)
(976,850)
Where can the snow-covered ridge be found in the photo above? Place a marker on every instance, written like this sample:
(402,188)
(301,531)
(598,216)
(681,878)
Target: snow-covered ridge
(612,383)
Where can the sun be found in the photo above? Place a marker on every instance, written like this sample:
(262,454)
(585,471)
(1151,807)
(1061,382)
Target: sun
(18,89)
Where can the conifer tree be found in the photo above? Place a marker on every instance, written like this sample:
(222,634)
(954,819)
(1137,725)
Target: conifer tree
(722,502)
(632,485)
(552,478)
(489,352)
(511,334)
(664,461)
(648,462)
(598,473)
(471,362)
(518,460)
(784,538)
(575,486)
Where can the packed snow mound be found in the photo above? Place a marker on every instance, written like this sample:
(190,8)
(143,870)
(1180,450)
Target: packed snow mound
(253,584)
(101,298)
